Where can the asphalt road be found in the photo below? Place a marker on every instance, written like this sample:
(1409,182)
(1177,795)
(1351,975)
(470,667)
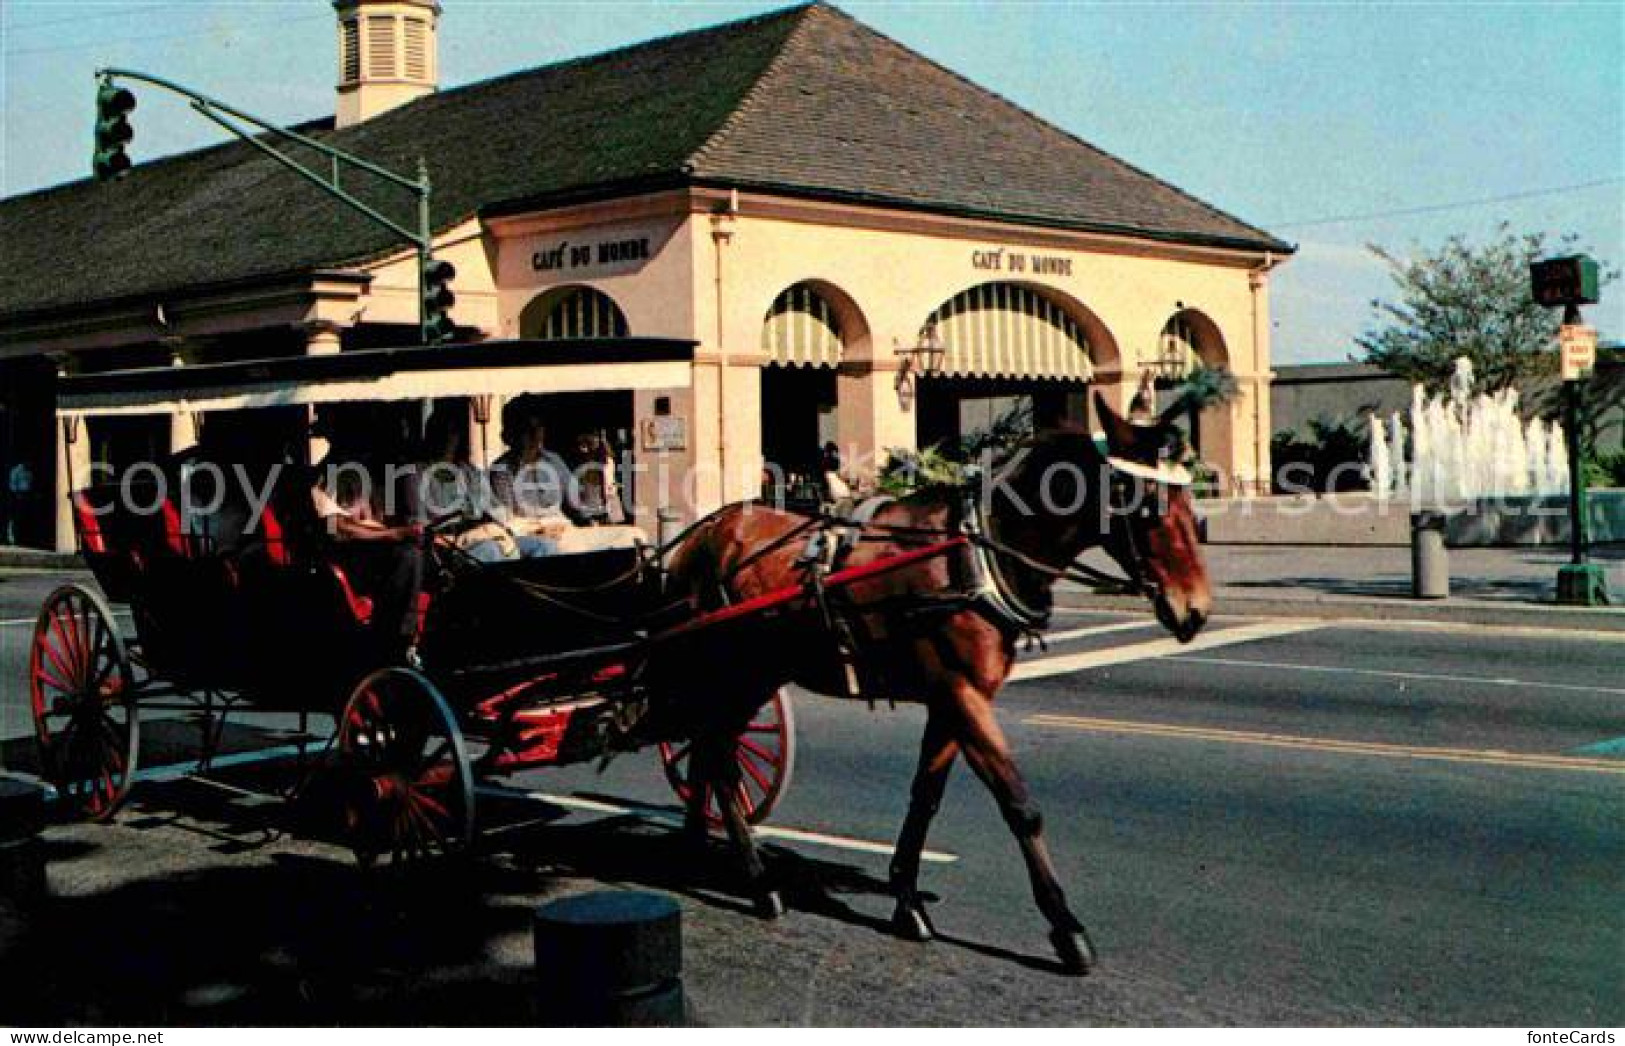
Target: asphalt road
(1285,822)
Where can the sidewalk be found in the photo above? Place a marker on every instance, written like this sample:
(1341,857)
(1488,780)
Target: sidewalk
(13,557)
(1488,586)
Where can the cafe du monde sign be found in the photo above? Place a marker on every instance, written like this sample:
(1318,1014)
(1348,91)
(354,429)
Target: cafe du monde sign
(566,255)
(1000,259)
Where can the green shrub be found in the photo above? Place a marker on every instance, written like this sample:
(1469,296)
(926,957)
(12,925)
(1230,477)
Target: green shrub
(1606,470)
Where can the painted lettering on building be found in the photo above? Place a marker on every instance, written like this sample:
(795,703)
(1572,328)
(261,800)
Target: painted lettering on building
(566,255)
(1001,260)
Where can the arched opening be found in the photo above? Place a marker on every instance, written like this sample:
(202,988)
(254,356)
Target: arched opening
(1016,355)
(1190,339)
(574,421)
(572,312)
(804,337)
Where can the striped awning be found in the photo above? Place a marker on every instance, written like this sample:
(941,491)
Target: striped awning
(1008,331)
(582,313)
(801,330)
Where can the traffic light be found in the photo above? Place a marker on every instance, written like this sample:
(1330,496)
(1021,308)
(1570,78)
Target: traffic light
(438,299)
(113,133)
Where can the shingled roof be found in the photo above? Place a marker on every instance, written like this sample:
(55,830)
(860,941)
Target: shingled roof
(805,101)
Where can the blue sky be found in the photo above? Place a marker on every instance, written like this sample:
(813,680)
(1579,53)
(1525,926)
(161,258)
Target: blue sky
(1285,114)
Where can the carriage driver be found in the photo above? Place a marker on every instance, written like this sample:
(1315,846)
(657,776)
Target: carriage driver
(384,560)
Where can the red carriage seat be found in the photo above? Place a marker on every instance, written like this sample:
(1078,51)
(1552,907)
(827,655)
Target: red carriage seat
(280,553)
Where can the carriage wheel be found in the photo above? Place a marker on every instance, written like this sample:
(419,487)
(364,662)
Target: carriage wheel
(766,756)
(413,788)
(84,703)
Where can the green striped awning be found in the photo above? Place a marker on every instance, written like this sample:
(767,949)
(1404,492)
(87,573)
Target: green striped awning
(801,330)
(581,313)
(1005,330)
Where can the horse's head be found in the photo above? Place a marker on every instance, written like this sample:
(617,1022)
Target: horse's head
(1152,523)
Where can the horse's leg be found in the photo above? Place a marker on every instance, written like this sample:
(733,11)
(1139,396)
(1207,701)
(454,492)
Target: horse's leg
(938,749)
(988,753)
(727,782)
(701,778)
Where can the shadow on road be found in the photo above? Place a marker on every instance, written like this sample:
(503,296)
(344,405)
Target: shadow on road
(310,939)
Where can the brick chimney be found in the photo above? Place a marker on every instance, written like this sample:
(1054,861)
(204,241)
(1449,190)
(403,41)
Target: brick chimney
(386,55)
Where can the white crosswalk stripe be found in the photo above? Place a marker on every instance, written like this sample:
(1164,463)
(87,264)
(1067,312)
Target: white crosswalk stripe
(1061,664)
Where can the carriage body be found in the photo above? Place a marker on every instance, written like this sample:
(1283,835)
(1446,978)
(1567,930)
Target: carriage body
(526,664)
(238,607)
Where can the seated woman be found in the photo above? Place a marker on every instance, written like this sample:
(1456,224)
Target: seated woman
(531,486)
(451,484)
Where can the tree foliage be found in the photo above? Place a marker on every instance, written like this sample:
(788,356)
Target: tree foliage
(1472,300)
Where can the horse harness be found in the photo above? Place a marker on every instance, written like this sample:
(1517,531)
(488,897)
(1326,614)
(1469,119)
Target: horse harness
(988,586)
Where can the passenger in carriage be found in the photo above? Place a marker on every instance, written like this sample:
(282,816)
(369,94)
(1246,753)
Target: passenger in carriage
(533,489)
(383,559)
(450,484)
(600,497)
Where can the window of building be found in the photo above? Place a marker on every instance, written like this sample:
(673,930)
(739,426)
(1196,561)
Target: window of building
(381,46)
(350,51)
(575,312)
(417,48)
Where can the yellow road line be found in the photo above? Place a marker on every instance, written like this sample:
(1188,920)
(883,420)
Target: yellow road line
(1482,757)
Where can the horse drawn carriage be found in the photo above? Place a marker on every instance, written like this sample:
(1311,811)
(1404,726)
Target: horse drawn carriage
(544,662)
(522,664)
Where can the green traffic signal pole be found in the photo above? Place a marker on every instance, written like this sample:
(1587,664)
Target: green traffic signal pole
(223,115)
(1581,582)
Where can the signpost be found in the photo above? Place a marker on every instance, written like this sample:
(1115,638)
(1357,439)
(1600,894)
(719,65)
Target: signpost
(1571,282)
(1578,344)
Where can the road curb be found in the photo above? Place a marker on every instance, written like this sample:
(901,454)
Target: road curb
(14,558)
(1464,612)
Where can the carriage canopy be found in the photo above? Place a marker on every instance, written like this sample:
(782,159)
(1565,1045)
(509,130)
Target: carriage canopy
(501,368)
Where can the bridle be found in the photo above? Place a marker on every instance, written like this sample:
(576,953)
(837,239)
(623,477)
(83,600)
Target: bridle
(1125,498)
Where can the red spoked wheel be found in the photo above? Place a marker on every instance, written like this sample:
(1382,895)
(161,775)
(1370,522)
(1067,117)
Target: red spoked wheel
(84,703)
(766,755)
(412,788)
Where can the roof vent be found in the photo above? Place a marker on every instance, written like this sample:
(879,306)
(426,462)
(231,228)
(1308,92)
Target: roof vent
(386,55)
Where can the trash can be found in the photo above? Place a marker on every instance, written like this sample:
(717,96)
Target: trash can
(1430,562)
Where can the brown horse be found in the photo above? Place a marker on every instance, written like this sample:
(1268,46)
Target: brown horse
(942,631)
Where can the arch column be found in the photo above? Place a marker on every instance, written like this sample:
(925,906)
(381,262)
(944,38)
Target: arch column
(322,338)
(72,460)
(183,424)
(870,419)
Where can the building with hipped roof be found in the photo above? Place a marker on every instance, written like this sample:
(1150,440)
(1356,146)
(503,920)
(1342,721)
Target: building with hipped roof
(801,196)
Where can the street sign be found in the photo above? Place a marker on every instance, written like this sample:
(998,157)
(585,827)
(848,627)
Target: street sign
(1579,348)
(1564,281)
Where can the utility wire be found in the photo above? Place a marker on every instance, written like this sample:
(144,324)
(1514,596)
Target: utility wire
(85,45)
(123,12)
(1455,205)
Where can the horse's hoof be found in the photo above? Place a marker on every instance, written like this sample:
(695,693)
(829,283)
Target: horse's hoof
(910,923)
(770,905)
(1073,948)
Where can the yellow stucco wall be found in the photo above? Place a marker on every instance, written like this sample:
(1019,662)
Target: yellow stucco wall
(717,261)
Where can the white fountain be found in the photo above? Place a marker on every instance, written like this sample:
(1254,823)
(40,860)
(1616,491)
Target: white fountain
(1464,448)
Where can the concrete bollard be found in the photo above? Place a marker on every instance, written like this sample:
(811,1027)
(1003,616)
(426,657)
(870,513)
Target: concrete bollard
(611,958)
(22,857)
(1430,562)
(666,531)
